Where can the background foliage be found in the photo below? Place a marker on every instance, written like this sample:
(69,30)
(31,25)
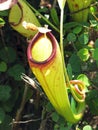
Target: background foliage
(30,108)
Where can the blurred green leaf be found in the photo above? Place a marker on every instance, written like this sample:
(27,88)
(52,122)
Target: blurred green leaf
(83,54)
(70,25)
(96,43)
(62,127)
(61,120)
(7,106)
(49,107)
(75,63)
(78,128)
(71,37)
(55,116)
(84,79)
(95,79)
(4,92)
(2,115)
(16,71)
(69,69)
(92,100)
(94,23)
(87,127)
(3,66)
(73,105)
(77,29)
(10,103)
(95,54)
(43,10)
(2,22)
(56,127)
(54,16)
(4,13)
(6,123)
(92,9)
(83,38)
(8,54)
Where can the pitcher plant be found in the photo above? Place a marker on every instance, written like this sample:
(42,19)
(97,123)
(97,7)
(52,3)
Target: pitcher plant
(21,12)
(46,59)
(79,9)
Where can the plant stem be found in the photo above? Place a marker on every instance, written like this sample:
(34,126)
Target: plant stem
(62,48)
(19,112)
(45,19)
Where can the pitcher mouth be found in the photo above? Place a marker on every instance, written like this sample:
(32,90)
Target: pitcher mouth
(33,42)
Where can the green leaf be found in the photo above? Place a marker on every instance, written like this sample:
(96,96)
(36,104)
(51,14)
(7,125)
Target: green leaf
(2,22)
(95,54)
(96,43)
(71,37)
(54,16)
(55,116)
(73,105)
(6,123)
(8,54)
(77,29)
(10,103)
(16,71)
(84,38)
(2,115)
(94,23)
(43,10)
(4,92)
(62,127)
(92,9)
(92,100)
(69,69)
(49,107)
(7,106)
(4,13)
(84,79)
(83,54)
(97,63)
(56,126)
(78,128)
(61,120)
(75,63)
(87,127)
(3,66)
(70,25)
(95,79)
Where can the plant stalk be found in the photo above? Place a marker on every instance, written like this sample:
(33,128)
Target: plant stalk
(62,48)
(19,112)
(45,19)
